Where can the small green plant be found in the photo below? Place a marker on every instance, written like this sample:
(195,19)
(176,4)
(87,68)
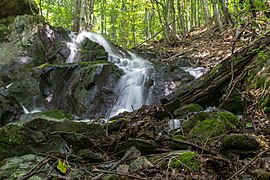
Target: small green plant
(187,160)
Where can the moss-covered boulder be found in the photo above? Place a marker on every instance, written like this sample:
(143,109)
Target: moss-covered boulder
(226,118)
(240,141)
(207,129)
(192,120)
(185,110)
(242,145)
(17,167)
(14,7)
(45,135)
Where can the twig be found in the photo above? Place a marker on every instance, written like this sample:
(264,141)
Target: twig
(112,172)
(191,144)
(244,168)
(116,164)
(37,167)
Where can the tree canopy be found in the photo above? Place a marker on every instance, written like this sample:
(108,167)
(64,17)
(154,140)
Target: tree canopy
(131,22)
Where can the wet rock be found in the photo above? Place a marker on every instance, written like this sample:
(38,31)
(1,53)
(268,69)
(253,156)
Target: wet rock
(91,51)
(10,108)
(185,110)
(84,89)
(167,78)
(16,167)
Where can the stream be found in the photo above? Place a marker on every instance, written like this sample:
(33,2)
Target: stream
(131,91)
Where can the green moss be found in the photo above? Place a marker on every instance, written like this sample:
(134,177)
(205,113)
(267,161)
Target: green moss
(57,114)
(207,129)
(91,63)
(187,160)
(264,103)
(228,118)
(194,119)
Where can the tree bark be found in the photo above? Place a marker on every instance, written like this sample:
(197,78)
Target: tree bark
(207,89)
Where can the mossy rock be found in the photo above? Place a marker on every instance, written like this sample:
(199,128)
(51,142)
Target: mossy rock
(188,160)
(57,114)
(185,110)
(229,119)
(234,104)
(191,121)
(116,124)
(240,141)
(16,167)
(208,129)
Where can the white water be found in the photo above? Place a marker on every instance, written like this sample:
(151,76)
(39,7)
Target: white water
(195,72)
(130,89)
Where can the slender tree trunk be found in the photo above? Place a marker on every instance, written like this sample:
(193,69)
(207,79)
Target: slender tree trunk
(217,16)
(76,16)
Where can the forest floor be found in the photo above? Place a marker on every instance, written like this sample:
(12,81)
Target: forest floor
(202,47)
(206,48)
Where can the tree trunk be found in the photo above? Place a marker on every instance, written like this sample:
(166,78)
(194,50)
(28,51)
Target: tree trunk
(207,89)
(216,14)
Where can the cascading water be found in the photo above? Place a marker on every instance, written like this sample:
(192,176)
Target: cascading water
(131,91)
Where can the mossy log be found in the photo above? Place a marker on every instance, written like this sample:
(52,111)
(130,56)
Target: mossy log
(207,89)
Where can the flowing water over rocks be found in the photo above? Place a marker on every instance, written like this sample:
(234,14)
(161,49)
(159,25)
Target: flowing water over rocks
(134,88)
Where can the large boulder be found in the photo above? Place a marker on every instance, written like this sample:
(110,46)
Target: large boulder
(47,135)
(85,89)
(10,108)
(15,7)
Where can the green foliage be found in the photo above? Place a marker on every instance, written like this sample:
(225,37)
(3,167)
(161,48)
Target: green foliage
(187,160)
(57,114)
(62,166)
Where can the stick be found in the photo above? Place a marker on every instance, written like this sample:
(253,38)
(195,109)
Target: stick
(244,168)
(115,165)
(191,144)
(37,167)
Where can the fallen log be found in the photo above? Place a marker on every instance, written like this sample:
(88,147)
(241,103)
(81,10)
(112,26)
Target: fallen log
(206,90)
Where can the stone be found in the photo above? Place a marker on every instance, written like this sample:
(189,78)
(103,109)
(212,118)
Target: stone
(139,164)
(16,167)
(185,110)
(90,156)
(228,119)
(208,129)
(240,141)
(84,89)
(144,146)
(10,108)
(14,7)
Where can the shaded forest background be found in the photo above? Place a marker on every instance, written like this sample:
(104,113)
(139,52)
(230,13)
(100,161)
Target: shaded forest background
(130,23)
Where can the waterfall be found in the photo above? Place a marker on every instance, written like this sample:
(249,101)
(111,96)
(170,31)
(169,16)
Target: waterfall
(131,92)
